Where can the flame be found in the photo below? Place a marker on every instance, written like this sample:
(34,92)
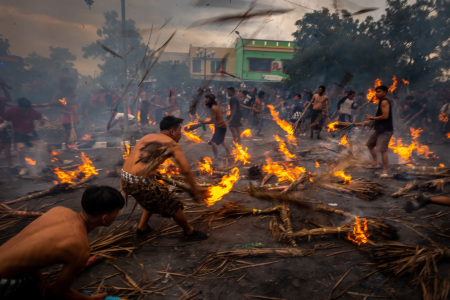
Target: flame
(441,165)
(86,170)
(331,126)
(394,85)
(283,172)
(139,116)
(246,133)
(405,81)
(443,117)
(206,167)
(63,101)
(126,151)
(343,140)
(447,135)
(87,136)
(317,164)
(191,136)
(405,151)
(226,184)
(283,148)
(72,147)
(30,161)
(213,129)
(283,124)
(168,168)
(347,178)
(371,95)
(358,234)
(240,154)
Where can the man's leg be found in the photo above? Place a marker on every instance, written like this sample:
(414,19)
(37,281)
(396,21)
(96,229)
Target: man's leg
(371,144)
(384,159)
(214,148)
(180,218)
(441,200)
(226,148)
(143,223)
(374,155)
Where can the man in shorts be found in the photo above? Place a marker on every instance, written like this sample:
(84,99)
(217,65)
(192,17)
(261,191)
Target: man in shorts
(384,130)
(220,127)
(57,237)
(320,108)
(140,181)
(235,116)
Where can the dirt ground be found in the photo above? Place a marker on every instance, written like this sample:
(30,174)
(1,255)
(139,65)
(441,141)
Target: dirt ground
(335,269)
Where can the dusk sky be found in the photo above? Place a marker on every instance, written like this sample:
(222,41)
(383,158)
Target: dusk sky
(36,25)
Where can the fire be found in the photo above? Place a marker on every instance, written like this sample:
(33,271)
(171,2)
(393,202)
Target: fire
(87,136)
(447,135)
(405,151)
(443,117)
(63,101)
(84,171)
(394,85)
(206,167)
(283,172)
(441,165)
(191,136)
(168,168)
(126,151)
(246,133)
(358,234)
(139,116)
(347,178)
(331,126)
(371,94)
(226,184)
(283,148)
(240,154)
(283,124)
(317,164)
(72,147)
(213,129)
(405,81)
(30,161)
(343,140)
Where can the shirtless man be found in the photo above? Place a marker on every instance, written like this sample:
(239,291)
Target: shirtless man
(140,181)
(57,237)
(319,108)
(220,127)
(235,116)
(257,111)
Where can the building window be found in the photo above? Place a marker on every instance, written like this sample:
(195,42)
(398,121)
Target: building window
(216,65)
(196,66)
(259,64)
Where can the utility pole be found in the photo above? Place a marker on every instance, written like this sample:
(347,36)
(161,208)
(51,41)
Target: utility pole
(124,74)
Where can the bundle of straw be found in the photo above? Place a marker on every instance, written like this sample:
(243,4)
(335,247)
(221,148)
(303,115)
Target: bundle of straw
(277,197)
(287,237)
(233,209)
(405,190)
(10,217)
(364,189)
(436,184)
(376,227)
(425,171)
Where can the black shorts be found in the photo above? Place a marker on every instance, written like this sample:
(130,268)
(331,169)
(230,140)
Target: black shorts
(344,117)
(316,114)
(235,122)
(25,286)
(26,138)
(219,135)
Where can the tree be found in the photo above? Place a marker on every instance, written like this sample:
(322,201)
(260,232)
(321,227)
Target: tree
(111,35)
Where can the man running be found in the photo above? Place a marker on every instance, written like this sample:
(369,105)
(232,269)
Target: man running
(320,108)
(140,181)
(235,117)
(220,127)
(384,130)
(57,237)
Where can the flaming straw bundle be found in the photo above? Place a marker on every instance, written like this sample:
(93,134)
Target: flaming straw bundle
(283,172)
(86,170)
(233,209)
(443,117)
(240,154)
(30,161)
(282,147)
(405,151)
(168,168)
(347,178)
(192,136)
(283,124)
(358,234)
(343,140)
(344,125)
(224,187)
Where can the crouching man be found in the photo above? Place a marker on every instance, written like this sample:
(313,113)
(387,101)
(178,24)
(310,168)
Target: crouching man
(57,237)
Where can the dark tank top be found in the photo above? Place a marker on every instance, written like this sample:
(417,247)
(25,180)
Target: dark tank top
(384,125)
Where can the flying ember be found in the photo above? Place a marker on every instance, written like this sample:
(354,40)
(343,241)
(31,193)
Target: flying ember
(343,140)
(359,231)
(224,187)
(206,167)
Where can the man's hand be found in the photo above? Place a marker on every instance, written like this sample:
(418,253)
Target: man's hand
(99,296)
(339,112)
(368,116)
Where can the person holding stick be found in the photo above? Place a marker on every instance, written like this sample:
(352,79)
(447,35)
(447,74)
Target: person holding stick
(57,237)
(220,127)
(320,108)
(139,178)
(384,129)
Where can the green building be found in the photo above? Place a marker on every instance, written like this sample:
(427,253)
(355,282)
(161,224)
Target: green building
(263,60)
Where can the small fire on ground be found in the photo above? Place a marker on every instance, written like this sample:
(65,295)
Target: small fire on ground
(30,161)
(282,147)
(358,235)
(126,151)
(240,154)
(224,187)
(343,140)
(284,171)
(84,171)
(347,178)
(246,133)
(206,167)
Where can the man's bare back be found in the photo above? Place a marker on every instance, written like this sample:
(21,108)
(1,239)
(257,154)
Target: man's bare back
(57,237)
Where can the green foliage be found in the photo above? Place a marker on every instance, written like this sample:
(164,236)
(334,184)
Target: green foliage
(409,41)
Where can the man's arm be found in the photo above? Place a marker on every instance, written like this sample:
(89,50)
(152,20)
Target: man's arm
(311,102)
(384,111)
